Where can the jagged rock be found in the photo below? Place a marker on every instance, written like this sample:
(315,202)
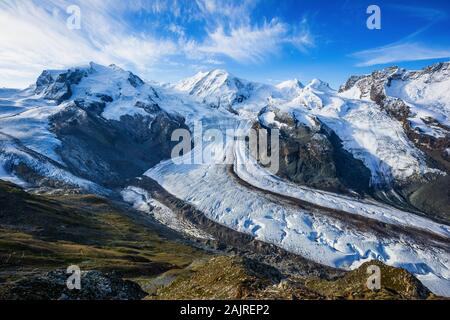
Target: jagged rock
(229,277)
(374,87)
(314,156)
(134,80)
(52,285)
(58,86)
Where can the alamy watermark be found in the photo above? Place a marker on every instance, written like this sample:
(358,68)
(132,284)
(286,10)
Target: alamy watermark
(374,20)
(374,280)
(232,146)
(73,22)
(74,280)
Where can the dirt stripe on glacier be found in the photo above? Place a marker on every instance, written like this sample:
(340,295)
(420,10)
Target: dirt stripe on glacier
(381,229)
(231,241)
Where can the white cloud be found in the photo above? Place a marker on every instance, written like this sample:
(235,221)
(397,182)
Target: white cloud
(252,43)
(225,11)
(231,32)
(34,36)
(245,43)
(407,49)
(399,53)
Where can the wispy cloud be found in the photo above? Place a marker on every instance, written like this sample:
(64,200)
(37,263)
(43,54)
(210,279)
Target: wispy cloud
(409,48)
(34,36)
(231,32)
(398,53)
(253,43)
(225,11)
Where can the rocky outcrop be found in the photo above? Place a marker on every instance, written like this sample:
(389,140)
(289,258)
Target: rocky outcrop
(52,285)
(313,156)
(231,277)
(58,86)
(108,151)
(373,87)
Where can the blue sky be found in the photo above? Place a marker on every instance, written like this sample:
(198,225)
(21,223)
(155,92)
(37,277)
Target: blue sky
(266,40)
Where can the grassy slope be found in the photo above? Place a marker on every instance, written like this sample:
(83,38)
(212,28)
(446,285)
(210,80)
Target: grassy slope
(236,278)
(41,233)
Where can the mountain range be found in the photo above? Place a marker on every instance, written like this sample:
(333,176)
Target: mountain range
(363,170)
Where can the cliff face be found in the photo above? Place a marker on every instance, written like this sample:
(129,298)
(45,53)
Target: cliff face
(419,101)
(406,96)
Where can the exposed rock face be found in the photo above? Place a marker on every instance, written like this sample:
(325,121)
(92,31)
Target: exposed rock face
(314,156)
(108,152)
(95,285)
(58,86)
(375,87)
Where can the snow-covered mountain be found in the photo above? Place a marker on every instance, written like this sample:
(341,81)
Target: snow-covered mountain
(218,88)
(424,92)
(366,131)
(83,127)
(290,88)
(353,182)
(418,99)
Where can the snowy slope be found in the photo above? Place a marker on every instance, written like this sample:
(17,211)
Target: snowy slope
(319,238)
(290,88)
(218,88)
(428,97)
(425,92)
(366,131)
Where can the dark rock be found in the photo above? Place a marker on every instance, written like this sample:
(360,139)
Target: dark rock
(109,152)
(135,81)
(149,107)
(315,157)
(95,285)
(104,97)
(58,87)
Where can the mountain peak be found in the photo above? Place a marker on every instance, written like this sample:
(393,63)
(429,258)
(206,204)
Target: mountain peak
(318,84)
(60,85)
(290,84)
(219,72)
(205,83)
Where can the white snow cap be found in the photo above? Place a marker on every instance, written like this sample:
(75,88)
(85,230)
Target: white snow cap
(318,84)
(290,84)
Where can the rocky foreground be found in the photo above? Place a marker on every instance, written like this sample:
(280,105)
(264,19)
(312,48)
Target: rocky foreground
(123,254)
